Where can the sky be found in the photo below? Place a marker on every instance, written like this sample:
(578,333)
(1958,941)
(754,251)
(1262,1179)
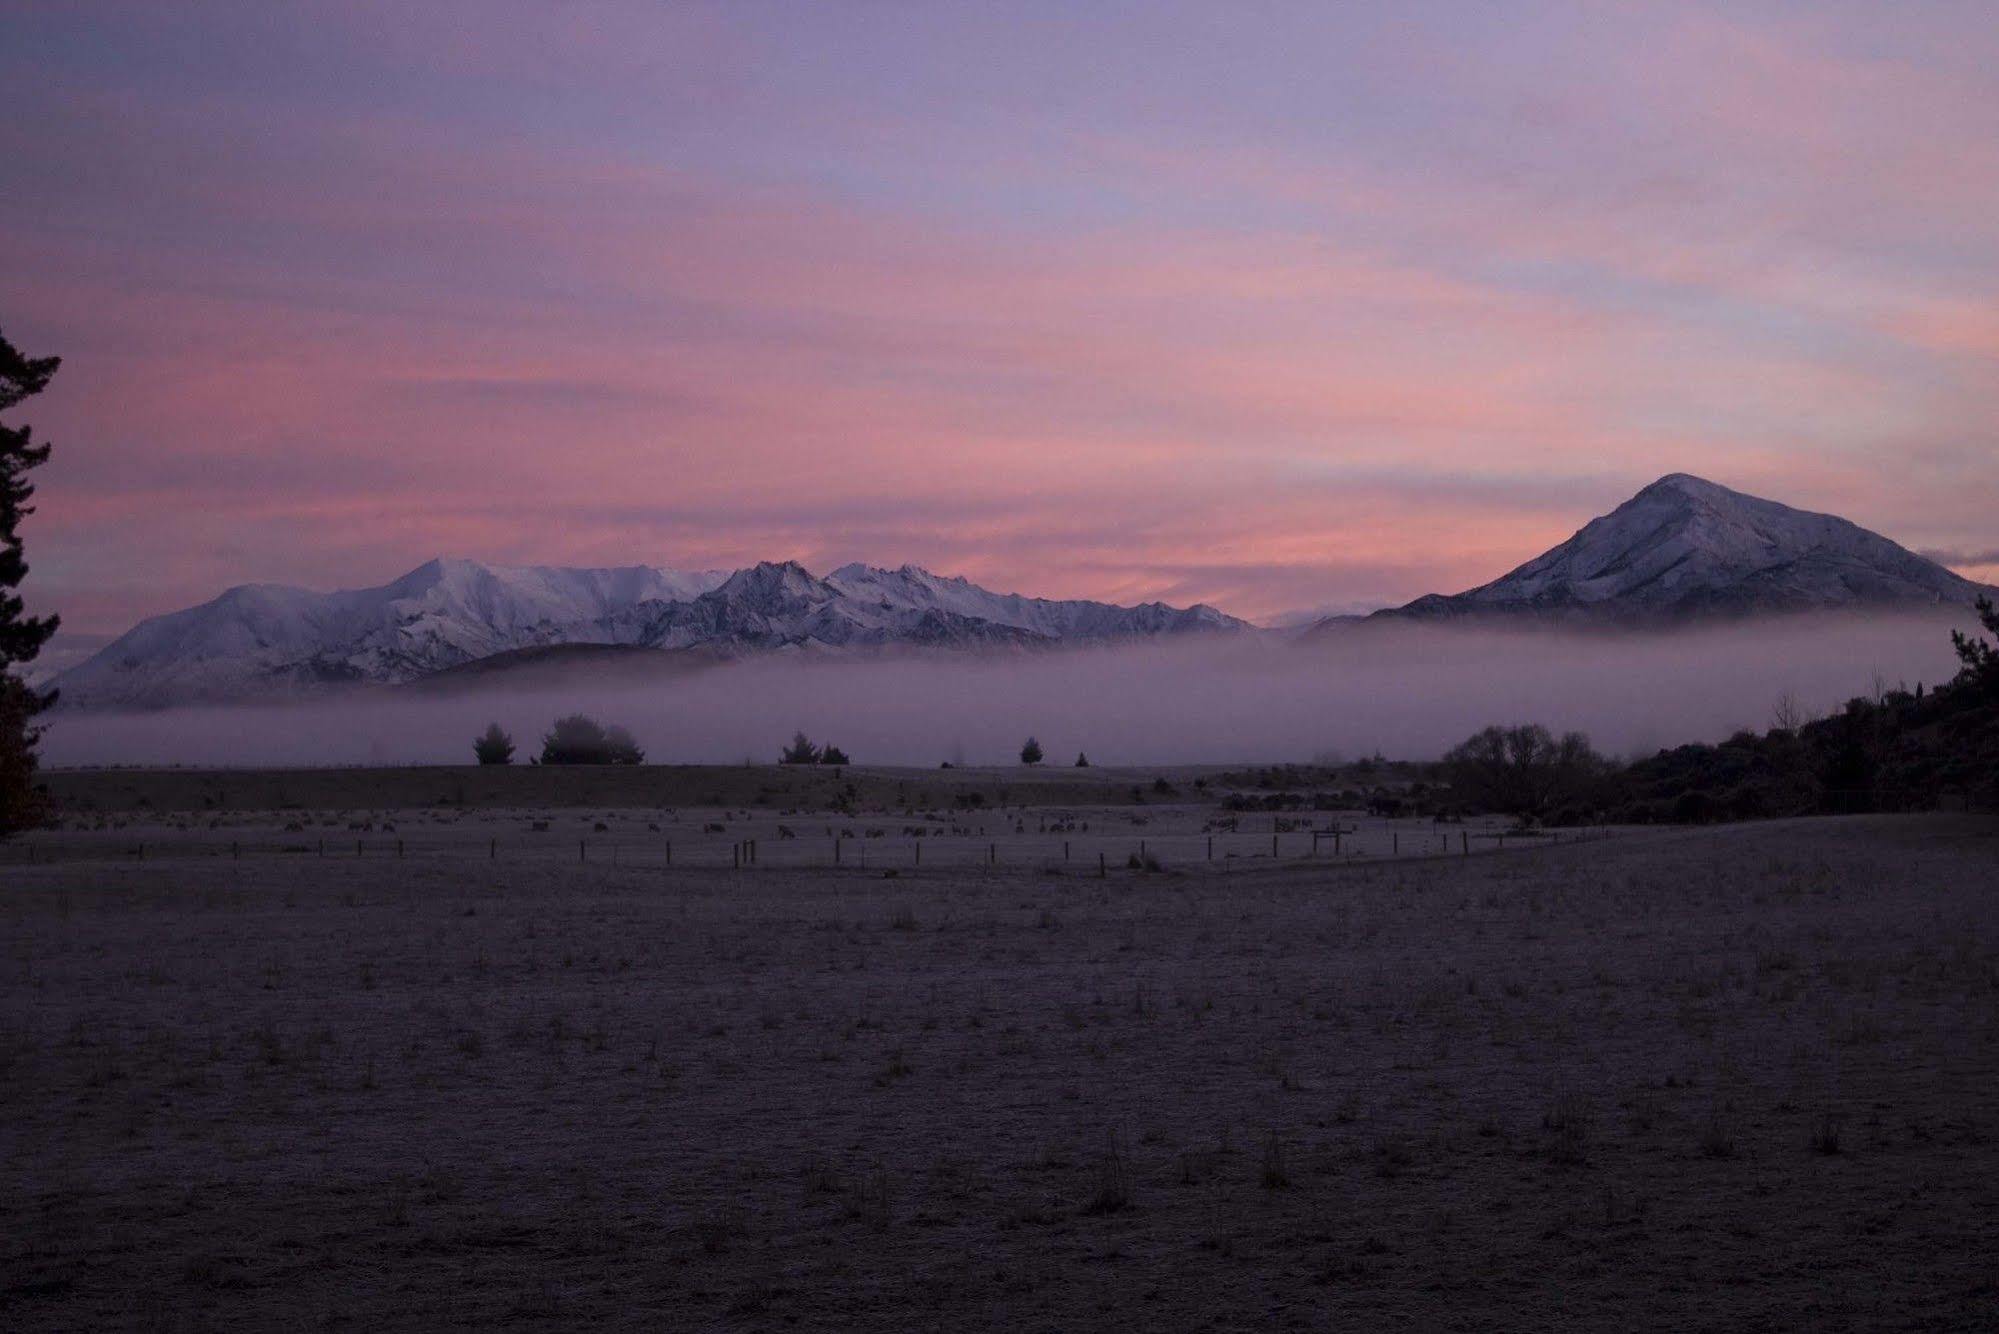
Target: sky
(1272,306)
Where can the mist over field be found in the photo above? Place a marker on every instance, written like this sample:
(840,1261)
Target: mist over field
(1408,692)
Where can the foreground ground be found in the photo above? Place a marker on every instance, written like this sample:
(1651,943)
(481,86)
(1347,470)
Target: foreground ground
(1739,1078)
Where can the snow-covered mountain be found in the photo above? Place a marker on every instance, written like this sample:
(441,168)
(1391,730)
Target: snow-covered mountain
(1684,549)
(263,639)
(1681,549)
(911,589)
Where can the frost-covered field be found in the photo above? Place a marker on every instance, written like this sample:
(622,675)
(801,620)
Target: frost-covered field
(1728,1078)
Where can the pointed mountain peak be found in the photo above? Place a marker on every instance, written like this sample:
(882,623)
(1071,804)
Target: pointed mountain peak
(1687,484)
(1683,488)
(435,571)
(772,576)
(1686,547)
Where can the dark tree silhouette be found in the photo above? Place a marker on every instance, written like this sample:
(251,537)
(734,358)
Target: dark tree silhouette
(1524,770)
(833,755)
(623,746)
(22,804)
(1980,659)
(800,751)
(581,739)
(493,746)
(1082,760)
(1031,752)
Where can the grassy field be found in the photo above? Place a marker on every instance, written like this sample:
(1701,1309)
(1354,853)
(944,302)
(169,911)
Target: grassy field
(1737,1078)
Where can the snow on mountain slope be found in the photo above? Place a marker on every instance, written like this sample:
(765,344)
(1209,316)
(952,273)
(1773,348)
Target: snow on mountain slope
(1680,549)
(912,588)
(263,639)
(771,606)
(1684,548)
(260,638)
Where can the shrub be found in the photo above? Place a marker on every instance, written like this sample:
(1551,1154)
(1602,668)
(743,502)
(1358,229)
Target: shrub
(493,746)
(800,751)
(1693,808)
(833,755)
(581,739)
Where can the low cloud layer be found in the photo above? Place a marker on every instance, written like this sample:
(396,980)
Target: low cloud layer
(1409,693)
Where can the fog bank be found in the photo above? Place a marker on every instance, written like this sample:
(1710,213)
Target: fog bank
(1408,692)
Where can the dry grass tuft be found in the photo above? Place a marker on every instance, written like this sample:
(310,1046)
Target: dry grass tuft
(1113,1179)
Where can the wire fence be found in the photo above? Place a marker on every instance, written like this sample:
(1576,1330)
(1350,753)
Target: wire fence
(1094,853)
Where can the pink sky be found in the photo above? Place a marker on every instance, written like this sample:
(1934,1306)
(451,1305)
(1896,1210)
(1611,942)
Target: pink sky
(1275,311)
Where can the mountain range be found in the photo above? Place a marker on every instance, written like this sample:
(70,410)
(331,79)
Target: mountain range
(1681,550)
(447,615)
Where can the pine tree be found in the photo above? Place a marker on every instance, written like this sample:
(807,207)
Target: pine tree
(493,746)
(1980,660)
(22,805)
(1031,752)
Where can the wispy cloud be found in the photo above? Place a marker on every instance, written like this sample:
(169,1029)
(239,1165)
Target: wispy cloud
(1319,311)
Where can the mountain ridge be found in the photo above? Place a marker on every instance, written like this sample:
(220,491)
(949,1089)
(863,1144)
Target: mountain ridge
(256,640)
(1680,550)
(1684,549)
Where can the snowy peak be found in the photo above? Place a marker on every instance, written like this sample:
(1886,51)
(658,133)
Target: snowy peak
(912,588)
(774,583)
(260,639)
(257,638)
(1685,547)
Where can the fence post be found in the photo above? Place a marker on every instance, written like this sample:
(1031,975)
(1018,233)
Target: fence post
(1397,844)
(399,847)
(1336,842)
(357,847)
(1211,847)
(992,854)
(322,847)
(1100,866)
(919,852)
(1273,843)
(735,856)
(493,850)
(582,851)
(235,853)
(669,852)
(1464,839)
(836,850)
